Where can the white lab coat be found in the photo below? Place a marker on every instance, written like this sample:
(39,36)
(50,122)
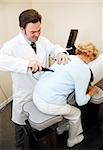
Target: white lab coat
(9,63)
(23,84)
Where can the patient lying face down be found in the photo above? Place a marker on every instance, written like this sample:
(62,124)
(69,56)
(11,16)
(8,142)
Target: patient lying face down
(51,91)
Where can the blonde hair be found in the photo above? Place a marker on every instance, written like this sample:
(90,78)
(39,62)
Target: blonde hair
(87,49)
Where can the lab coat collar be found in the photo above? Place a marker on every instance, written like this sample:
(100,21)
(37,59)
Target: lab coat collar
(22,38)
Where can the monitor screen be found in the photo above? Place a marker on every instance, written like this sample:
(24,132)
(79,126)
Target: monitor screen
(72,37)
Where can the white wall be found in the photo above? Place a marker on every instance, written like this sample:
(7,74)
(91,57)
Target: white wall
(101,31)
(60,17)
(9,12)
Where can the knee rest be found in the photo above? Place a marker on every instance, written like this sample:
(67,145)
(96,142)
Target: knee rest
(37,119)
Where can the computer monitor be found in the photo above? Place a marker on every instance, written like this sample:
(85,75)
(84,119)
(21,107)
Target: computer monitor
(72,38)
(71,41)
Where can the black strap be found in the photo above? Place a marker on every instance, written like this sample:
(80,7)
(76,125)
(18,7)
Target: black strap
(91,77)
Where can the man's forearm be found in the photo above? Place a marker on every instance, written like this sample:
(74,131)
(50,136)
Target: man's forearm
(13,64)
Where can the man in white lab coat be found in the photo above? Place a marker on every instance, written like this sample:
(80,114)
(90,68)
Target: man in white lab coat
(29,45)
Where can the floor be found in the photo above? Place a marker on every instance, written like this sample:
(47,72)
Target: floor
(93,136)
(7,129)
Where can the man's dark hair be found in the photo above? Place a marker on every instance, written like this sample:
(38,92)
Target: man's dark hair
(29,16)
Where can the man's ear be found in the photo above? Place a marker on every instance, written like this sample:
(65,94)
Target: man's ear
(21,28)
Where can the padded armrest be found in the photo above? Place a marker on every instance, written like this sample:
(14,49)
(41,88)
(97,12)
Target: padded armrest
(97,68)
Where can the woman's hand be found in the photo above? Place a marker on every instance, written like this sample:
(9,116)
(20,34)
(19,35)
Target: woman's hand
(92,91)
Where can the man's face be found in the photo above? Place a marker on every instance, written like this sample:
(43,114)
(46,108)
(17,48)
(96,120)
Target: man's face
(32,31)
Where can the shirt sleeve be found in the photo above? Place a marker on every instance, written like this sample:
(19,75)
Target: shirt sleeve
(13,64)
(81,86)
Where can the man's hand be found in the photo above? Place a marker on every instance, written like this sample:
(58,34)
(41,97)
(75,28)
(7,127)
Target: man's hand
(35,66)
(62,58)
(92,91)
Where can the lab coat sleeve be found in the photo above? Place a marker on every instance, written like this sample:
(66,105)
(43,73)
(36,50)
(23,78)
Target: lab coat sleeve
(10,63)
(81,86)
